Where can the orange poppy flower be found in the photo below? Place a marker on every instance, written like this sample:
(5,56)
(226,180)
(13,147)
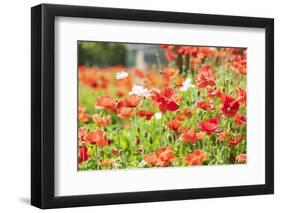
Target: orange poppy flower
(197,157)
(205,76)
(97,137)
(82,115)
(174,125)
(230,105)
(105,102)
(241,158)
(165,99)
(145,113)
(209,126)
(170,72)
(161,158)
(139,73)
(224,136)
(183,114)
(133,101)
(101,121)
(240,120)
(190,136)
(205,105)
(125,112)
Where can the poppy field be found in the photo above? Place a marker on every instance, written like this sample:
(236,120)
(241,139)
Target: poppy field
(187,109)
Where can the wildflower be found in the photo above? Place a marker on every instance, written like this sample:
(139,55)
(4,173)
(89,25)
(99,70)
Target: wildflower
(190,136)
(165,99)
(197,157)
(174,125)
(241,95)
(205,76)
(101,121)
(125,112)
(97,137)
(241,158)
(236,140)
(158,115)
(209,126)
(205,105)
(83,154)
(121,75)
(229,106)
(133,101)
(183,114)
(139,91)
(82,115)
(116,152)
(214,92)
(240,120)
(224,136)
(161,158)
(145,113)
(105,102)
(82,132)
(170,72)
(186,85)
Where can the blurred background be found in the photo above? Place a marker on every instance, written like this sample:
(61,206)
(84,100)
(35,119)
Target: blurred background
(102,54)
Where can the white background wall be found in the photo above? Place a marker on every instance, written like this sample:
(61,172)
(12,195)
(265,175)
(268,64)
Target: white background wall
(15,105)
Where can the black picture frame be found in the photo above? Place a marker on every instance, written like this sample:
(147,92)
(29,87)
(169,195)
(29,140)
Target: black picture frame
(43,105)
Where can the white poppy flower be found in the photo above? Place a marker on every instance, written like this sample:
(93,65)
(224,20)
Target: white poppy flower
(139,91)
(158,115)
(121,75)
(186,85)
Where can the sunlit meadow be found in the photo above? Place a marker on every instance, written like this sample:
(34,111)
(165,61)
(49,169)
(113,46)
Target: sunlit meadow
(184,107)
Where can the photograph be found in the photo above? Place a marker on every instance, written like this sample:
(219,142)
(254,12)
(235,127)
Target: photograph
(160,105)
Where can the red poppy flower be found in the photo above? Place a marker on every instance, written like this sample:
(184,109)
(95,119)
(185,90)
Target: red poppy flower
(197,157)
(97,137)
(205,105)
(190,136)
(236,140)
(145,113)
(205,76)
(165,99)
(116,152)
(183,50)
(133,101)
(105,102)
(214,92)
(209,126)
(230,105)
(161,158)
(83,154)
(125,112)
(240,120)
(174,125)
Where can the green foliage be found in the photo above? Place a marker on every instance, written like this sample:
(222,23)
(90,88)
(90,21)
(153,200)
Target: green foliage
(101,53)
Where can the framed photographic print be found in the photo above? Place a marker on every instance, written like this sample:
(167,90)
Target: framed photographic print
(139,106)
